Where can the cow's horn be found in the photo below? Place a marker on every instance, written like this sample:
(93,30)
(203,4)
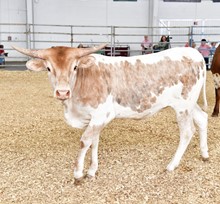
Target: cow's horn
(30,52)
(87,51)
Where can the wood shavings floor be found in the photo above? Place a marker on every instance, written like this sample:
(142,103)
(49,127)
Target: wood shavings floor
(38,151)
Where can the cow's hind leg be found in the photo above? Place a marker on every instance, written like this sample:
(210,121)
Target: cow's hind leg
(217,99)
(185,122)
(201,120)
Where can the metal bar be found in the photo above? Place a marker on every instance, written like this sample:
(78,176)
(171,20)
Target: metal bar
(71,37)
(42,36)
(49,33)
(33,25)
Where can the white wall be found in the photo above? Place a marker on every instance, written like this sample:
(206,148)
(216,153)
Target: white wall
(204,10)
(104,12)
(12,11)
(91,12)
(73,12)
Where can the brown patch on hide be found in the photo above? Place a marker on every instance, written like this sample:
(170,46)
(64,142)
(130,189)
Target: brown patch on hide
(133,85)
(92,83)
(61,57)
(137,86)
(82,145)
(190,76)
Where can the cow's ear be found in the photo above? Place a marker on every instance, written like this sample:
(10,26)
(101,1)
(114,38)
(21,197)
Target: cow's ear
(86,62)
(36,65)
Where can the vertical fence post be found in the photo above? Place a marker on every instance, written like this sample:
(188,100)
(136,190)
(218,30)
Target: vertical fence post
(71,36)
(28,37)
(191,36)
(112,40)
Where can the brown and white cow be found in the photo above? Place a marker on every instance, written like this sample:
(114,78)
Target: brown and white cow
(215,69)
(95,89)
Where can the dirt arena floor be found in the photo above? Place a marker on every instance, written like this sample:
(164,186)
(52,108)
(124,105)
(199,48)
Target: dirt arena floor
(38,151)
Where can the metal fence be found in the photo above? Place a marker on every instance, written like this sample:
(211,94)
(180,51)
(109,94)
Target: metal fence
(122,40)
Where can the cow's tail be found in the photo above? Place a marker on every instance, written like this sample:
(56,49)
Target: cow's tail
(205,104)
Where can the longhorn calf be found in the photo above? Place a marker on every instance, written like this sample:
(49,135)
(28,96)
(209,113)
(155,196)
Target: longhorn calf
(95,89)
(215,69)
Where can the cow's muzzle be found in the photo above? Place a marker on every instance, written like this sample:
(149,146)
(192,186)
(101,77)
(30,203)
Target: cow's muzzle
(62,94)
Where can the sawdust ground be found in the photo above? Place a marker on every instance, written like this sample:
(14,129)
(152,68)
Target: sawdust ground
(38,150)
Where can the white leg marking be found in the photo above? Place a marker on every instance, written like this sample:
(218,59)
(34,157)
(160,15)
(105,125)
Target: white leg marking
(186,132)
(78,170)
(201,120)
(89,137)
(94,157)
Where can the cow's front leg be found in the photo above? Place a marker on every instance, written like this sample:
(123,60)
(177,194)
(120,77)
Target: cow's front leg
(78,170)
(94,157)
(89,138)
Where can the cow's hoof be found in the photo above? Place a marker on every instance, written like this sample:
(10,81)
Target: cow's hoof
(205,159)
(89,177)
(78,181)
(170,167)
(214,114)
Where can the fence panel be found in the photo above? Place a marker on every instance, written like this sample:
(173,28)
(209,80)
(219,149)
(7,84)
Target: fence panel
(120,39)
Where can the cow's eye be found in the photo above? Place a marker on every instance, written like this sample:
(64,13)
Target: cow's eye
(48,69)
(75,68)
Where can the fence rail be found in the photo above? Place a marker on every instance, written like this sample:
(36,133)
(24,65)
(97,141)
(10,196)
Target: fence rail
(39,36)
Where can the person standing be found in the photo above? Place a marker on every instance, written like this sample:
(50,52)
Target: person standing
(204,49)
(146,45)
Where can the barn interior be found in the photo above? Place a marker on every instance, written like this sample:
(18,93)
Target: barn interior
(38,149)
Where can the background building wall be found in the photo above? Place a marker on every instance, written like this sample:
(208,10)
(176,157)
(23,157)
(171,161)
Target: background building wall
(104,12)
(204,10)
(12,11)
(143,13)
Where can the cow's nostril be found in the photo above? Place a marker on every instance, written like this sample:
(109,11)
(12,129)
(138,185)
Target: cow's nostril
(68,93)
(62,94)
(57,93)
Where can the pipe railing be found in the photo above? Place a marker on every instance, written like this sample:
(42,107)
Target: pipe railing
(39,36)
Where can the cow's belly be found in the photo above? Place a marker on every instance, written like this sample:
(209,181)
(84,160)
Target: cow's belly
(171,96)
(216,78)
(126,112)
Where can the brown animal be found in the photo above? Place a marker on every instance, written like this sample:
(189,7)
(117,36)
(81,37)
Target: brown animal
(215,68)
